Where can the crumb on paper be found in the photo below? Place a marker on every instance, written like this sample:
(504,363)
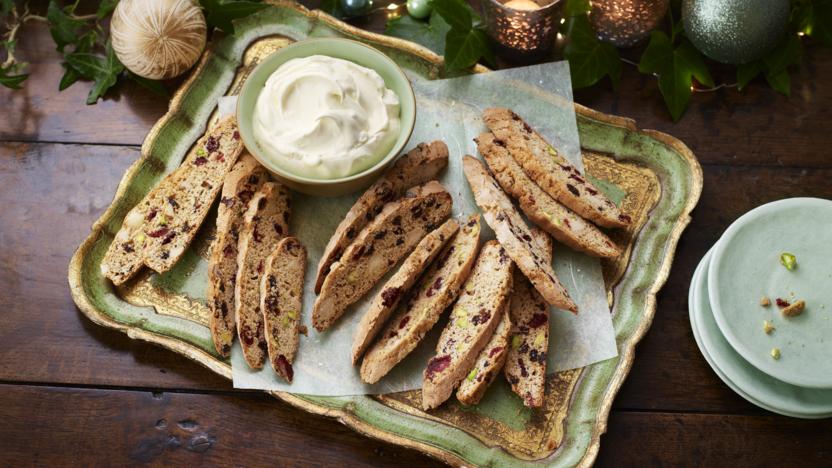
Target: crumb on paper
(795,309)
(768,327)
(775,353)
(781,303)
(788,260)
(303,330)
(765,301)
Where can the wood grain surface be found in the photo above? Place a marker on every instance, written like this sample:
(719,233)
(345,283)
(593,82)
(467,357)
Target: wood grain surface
(75,393)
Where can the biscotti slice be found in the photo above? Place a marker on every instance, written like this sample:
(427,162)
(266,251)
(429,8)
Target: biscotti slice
(281,300)
(539,206)
(392,291)
(525,367)
(395,232)
(471,324)
(239,186)
(438,287)
(514,235)
(157,233)
(265,223)
(551,171)
(488,364)
(420,165)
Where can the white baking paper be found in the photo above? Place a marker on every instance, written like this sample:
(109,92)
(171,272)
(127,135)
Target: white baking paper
(448,110)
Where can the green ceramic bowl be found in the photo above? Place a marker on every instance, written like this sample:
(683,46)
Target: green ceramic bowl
(346,49)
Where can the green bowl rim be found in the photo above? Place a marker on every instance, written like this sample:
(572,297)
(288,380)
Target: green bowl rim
(394,151)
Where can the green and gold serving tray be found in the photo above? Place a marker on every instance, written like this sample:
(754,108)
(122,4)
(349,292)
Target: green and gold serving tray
(658,180)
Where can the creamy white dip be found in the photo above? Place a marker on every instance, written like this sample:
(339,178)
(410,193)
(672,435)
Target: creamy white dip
(325,118)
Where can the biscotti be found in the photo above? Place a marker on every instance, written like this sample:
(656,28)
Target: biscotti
(543,210)
(281,300)
(158,230)
(514,235)
(488,364)
(380,245)
(239,186)
(471,324)
(438,287)
(551,171)
(420,165)
(398,285)
(525,367)
(266,222)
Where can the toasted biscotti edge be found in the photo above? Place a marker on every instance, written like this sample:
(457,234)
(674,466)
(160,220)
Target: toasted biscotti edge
(417,167)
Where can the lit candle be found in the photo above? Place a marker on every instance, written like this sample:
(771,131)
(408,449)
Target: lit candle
(525,5)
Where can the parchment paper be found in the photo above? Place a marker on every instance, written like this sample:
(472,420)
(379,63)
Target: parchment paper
(448,110)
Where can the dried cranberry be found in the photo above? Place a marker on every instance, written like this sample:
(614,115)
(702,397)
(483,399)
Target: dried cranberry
(128,248)
(253,179)
(260,267)
(573,190)
(591,191)
(399,241)
(159,232)
(380,234)
(164,255)
(390,295)
(523,371)
(538,320)
(169,237)
(224,309)
(513,379)
(245,196)
(370,250)
(566,222)
(577,178)
(624,218)
(220,157)
(212,144)
(527,238)
(278,229)
(437,364)
(285,368)
(247,336)
(227,201)
(350,233)
(397,221)
(494,351)
(782,303)
(235,135)
(533,355)
(482,317)
(404,321)
(256,235)
(152,214)
(437,283)
(226,348)
(358,252)
(524,348)
(200,161)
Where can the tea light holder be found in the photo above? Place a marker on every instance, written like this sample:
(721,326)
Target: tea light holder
(522,33)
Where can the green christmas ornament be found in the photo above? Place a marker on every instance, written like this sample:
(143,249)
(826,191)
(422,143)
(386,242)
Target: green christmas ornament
(735,31)
(353,8)
(418,8)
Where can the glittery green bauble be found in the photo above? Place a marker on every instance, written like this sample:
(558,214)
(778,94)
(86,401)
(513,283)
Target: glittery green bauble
(735,31)
(353,8)
(418,8)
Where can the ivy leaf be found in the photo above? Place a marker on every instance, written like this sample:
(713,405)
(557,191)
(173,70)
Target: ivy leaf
(104,70)
(69,78)
(220,13)
(776,63)
(430,34)
(780,81)
(822,22)
(464,49)
(747,72)
(62,26)
(457,14)
(85,44)
(6,7)
(10,80)
(589,59)
(676,69)
(105,8)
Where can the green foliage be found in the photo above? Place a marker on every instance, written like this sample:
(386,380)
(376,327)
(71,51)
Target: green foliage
(430,33)
(676,67)
(466,42)
(104,71)
(590,60)
(221,13)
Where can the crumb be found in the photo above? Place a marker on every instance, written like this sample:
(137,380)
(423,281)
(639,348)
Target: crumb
(768,327)
(795,309)
(788,260)
(303,330)
(765,301)
(775,353)
(781,303)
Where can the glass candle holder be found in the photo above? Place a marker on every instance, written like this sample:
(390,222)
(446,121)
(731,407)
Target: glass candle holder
(522,33)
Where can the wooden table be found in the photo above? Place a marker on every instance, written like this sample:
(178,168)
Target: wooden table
(73,392)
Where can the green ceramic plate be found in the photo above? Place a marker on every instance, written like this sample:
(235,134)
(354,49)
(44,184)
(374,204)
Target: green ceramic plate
(658,180)
(745,379)
(746,266)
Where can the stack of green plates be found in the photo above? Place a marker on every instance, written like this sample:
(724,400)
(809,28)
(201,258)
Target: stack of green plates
(728,319)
